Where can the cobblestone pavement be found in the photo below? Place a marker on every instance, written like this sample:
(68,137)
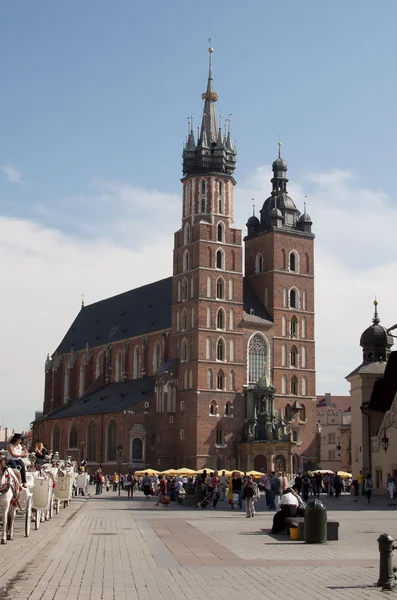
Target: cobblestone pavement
(114,549)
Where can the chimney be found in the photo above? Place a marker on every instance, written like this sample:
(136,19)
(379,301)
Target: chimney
(328,399)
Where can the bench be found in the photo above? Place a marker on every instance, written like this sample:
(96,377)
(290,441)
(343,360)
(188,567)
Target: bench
(299,522)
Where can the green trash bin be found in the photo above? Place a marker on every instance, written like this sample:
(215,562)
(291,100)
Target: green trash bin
(315,523)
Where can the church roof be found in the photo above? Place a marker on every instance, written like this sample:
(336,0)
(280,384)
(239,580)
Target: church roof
(111,398)
(375,368)
(140,311)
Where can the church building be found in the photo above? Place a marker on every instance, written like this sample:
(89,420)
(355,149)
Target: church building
(213,366)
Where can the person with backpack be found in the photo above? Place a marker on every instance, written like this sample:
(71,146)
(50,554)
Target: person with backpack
(99,482)
(129,484)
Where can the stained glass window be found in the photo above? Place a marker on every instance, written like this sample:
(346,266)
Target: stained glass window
(256,358)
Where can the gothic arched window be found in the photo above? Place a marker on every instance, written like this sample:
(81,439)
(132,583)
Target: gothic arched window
(111,445)
(294,356)
(220,436)
(220,259)
(220,381)
(294,327)
(221,319)
(293,298)
(137,362)
(221,232)
(137,449)
(184,320)
(203,186)
(293,262)
(220,289)
(213,408)
(220,350)
(187,233)
(73,435)
(259,263)
(257,353)
(294,386)
(91,441)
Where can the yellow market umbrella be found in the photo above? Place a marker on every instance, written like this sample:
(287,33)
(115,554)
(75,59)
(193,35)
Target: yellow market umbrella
(170,472)
(344,474)
(150,472)
(255,473)
(184,471)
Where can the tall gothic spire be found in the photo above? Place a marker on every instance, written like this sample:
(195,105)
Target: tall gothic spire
(213,152)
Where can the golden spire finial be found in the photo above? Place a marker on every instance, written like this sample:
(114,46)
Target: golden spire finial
(210,49)
(279,145)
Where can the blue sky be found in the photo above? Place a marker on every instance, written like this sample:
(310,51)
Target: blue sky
(93,109)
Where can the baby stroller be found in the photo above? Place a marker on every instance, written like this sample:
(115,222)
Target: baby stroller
(210,499)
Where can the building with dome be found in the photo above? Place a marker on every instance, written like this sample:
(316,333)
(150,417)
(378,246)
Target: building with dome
(373,385)
(213,366)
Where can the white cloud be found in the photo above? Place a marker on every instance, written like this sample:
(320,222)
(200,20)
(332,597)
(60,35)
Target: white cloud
(122,237)
(12,174)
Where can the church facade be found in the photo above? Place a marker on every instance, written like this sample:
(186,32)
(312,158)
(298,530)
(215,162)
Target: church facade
(212,367)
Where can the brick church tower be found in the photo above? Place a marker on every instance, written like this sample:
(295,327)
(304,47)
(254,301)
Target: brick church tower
(207,287)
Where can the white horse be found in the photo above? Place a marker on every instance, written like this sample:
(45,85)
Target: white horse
(9,490)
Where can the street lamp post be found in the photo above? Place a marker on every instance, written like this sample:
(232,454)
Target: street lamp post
(119,450)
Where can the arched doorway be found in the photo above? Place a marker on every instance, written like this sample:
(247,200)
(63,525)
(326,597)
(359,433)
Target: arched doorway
(260,463)
(295,464)
(280,464)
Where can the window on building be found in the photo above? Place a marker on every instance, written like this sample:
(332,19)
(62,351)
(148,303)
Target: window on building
(209,286)
(182,434)
(220,350)
(202,205)
(213,408)
(294,327)
(210,379)
(294,356)
(293,262)
(220,319)
(220,188)
(302,413)
(203,186)
(228,409)
(331,438)
(293,298)
(221,232)
(259,263)
(220,436)
(288,412)
(257,353)
(137,362)
(56,438)
(220,289)
(118,366)
(220,259)
(208,349)
(294,386)
(137,449)
(284,384)
(73,435)
(112,441)
(186,260)
(220,381)
(331,455)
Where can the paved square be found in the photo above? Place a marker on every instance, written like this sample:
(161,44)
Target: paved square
(111,548)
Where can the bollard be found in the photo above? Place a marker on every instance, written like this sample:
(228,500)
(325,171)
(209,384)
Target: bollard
(386,571)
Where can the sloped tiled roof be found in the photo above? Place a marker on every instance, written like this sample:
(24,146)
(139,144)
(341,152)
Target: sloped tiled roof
(377,368)
(113,397)
(142,310)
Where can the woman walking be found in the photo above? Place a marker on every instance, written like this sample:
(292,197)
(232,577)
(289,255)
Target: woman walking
(249,493)
(390,486)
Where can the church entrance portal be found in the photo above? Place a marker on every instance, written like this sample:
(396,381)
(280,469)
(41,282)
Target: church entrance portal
(260,463)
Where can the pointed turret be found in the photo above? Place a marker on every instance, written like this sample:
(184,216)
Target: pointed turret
(214,153)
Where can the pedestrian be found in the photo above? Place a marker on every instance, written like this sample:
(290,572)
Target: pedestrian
(98,482)
(265,480)
(360,481)
(390,486)
(162,490)
(368,485)
(147,484)
(298,483)
(129,484)
(214,486)
(249,493)
(237,486)
(318,484)
(222,486)
(337,485)
(115,482)
(278,483)
(305,486)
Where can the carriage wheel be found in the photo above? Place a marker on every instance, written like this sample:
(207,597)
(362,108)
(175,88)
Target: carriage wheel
(37,519)
(28,516)
(57,506)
